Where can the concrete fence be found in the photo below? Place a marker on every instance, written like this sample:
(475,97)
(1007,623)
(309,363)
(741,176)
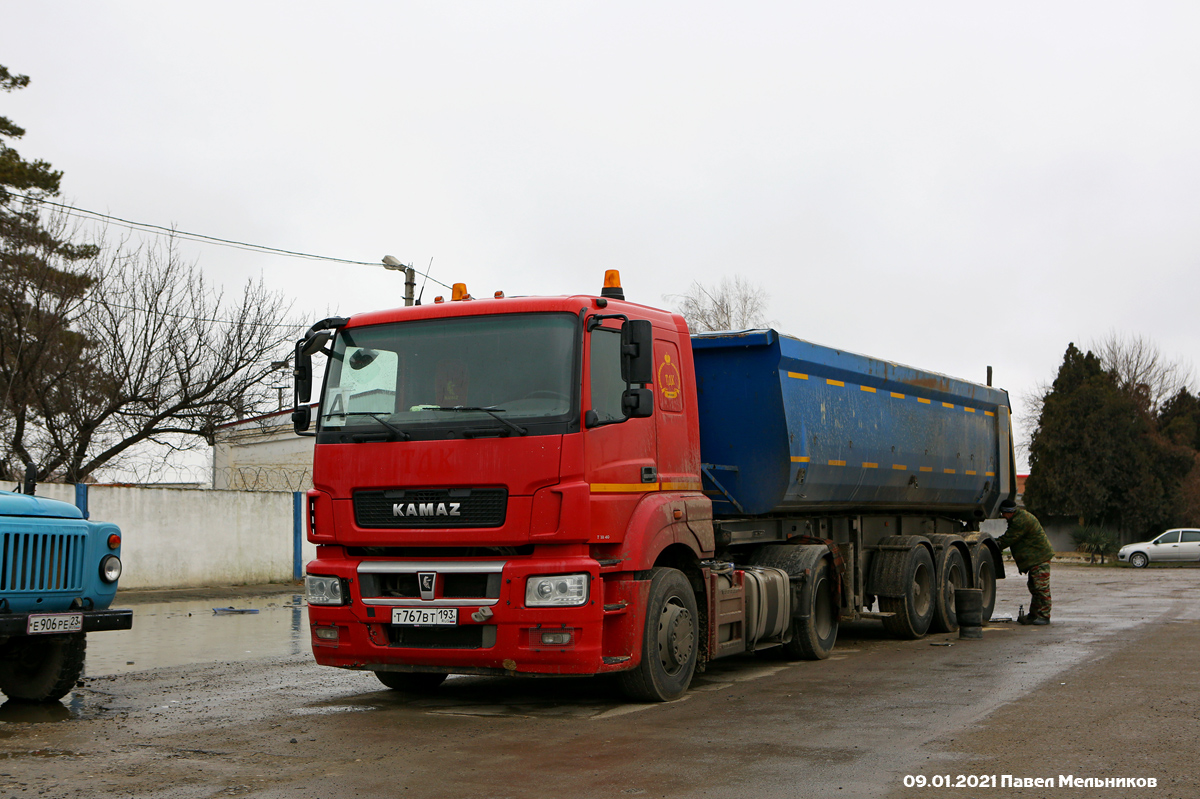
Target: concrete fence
(184,538)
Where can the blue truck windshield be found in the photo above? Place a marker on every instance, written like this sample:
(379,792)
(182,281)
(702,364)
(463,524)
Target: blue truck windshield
(514,374)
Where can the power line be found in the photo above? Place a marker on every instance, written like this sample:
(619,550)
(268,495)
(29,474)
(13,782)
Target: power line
(159,230)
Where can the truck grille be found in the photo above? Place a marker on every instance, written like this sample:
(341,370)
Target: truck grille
(431,507)
(41,561)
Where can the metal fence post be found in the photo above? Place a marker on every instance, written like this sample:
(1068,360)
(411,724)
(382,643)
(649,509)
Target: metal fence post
(297,534)
(81,499)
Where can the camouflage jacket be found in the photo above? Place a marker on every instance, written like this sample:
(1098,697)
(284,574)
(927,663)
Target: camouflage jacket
(1027,540)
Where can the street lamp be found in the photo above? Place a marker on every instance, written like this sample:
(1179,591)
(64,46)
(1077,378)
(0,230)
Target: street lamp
(410,276)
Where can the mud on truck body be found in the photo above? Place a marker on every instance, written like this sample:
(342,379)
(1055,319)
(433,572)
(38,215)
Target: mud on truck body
(578,486)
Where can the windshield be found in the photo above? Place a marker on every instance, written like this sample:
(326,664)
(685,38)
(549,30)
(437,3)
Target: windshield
(503,375)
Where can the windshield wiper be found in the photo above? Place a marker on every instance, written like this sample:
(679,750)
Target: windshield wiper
(492,412)
(379,417)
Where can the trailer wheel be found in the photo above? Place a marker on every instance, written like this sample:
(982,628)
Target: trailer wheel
(814,635)
(913,611)
(952,576)
(669,641)
(985,580)
(41,668)
(412,681)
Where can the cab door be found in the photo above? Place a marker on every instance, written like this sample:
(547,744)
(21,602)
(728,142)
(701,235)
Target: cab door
(620,454)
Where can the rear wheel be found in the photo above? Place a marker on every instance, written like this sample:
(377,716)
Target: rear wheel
(985,581)
(669,640)
(1138,560)
(41,668)
(951,577)
(814,635)
(411,681)
(912,612)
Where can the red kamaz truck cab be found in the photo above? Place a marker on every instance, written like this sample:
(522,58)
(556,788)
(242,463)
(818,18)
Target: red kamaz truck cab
(499,487)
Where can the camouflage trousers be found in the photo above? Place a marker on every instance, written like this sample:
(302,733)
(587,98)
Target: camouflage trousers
(1039,590)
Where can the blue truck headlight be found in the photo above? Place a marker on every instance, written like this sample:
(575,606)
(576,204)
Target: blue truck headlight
(325,590)
(556,590)
(110,569)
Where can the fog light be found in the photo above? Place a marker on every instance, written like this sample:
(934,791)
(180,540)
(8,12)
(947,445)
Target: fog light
(559,638)
(326,633)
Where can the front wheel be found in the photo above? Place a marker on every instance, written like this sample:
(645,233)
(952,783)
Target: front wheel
(1138,560)
(411,681)
(41,668)
(670,639)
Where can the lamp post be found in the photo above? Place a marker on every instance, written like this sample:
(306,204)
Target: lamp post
(410,276)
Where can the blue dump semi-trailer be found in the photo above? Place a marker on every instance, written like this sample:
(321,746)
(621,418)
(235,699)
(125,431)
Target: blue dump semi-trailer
(863,481)
(58,576)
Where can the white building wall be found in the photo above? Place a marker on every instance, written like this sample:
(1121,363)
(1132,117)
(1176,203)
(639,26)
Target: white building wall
(184,538)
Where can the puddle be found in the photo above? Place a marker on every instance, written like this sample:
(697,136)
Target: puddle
(188,632)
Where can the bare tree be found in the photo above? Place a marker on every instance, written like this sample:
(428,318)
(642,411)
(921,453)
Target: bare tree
(734,304)
(164,360)
(1142,370)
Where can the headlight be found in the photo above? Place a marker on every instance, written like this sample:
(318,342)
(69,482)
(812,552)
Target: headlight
(556,590)
(324,590)
(110,569)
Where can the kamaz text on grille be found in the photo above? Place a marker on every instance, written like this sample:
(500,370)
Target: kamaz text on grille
(426,509)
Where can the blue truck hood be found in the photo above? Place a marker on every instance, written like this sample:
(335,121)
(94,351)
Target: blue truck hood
(24,505)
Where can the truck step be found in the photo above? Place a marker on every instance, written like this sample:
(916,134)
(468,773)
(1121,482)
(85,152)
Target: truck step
(875,615)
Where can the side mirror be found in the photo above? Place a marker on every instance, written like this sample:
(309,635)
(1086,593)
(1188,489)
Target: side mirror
(302,419)
(637,351)
(637,403)
(303,373)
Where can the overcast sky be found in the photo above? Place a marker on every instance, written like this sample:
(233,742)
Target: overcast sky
(946,185)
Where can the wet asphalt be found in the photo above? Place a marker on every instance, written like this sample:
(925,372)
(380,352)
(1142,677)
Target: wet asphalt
(231,704)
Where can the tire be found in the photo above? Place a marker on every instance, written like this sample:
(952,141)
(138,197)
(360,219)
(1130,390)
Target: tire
(813,637)
(952,575)
(985,581)
(1138,560)
(670,640)
(41,668)
(913,611)
(411,681)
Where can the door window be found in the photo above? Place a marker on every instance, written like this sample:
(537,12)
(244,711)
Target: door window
(1168,538)
(605,372)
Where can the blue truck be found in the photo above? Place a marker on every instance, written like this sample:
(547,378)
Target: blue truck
(58,577)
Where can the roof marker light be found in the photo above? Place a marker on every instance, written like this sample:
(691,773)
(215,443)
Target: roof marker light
(499,295)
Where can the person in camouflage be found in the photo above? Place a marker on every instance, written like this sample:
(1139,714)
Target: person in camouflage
(1032,551)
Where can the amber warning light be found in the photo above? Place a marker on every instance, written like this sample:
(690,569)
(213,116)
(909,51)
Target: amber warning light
(612,285)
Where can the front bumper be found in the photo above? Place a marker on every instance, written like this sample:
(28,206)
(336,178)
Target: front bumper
(494,634)
(94,621)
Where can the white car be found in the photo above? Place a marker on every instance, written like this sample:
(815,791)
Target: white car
(1173,545)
